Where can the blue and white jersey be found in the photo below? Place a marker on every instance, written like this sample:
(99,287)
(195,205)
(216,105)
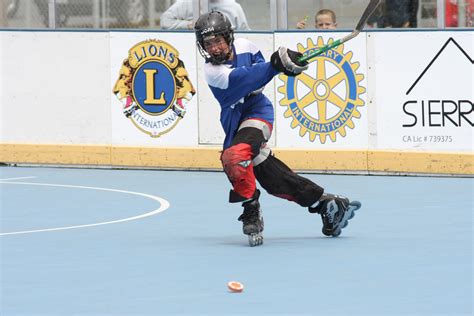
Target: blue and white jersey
(233,82)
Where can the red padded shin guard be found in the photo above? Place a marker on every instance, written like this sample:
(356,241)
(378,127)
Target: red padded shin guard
(237,163)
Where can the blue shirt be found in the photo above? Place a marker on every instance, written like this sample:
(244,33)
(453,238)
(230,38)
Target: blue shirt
(232,84)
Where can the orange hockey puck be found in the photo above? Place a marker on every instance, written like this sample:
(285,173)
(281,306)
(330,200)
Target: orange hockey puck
(235,286)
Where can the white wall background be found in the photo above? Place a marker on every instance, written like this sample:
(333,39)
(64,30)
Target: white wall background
(398,60)
(1,87)
(124,132)
(56,88)
(288,137)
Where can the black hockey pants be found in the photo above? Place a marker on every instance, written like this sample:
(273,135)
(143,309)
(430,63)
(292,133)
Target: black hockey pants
(274,175)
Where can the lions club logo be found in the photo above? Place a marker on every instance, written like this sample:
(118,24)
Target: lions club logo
(153,87)
(322,102)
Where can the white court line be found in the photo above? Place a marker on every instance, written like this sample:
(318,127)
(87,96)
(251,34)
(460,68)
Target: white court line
(17,178)
(164,204)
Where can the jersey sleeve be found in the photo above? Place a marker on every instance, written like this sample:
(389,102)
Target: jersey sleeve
(229,86)
(257,56)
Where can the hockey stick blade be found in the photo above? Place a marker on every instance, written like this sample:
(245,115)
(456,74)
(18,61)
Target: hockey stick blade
(373,4)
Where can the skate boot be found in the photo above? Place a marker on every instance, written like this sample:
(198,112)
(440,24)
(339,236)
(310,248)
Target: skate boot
(252,221)
(336,211)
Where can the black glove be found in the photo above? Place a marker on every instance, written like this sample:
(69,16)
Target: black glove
(286,61)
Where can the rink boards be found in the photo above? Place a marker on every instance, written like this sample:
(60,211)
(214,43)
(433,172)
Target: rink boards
(387,101)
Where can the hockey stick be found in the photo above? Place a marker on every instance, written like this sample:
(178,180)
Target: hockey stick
(373,4)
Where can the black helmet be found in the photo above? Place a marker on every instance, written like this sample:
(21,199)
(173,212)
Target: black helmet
(208,26)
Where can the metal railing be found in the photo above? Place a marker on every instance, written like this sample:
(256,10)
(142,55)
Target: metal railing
(261,14)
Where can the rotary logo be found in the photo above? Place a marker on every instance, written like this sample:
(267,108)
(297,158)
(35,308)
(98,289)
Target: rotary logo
(153,87)
(324,99)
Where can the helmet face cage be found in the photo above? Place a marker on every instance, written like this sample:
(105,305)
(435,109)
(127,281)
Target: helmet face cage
(209,26)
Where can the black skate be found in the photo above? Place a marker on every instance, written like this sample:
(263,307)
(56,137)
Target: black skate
(252,221)
(336,211)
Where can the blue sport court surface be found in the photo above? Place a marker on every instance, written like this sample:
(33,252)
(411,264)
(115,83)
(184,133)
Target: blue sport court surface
(153,242)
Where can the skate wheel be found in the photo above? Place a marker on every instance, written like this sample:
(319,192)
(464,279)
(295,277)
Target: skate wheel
(255,239)
(235,286)
(352,215)
(336,233)
(355,205)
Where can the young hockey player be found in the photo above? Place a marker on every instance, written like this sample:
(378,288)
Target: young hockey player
(236,73)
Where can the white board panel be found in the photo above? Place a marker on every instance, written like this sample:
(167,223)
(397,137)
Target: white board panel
(324,107)
(160,74)
(2,73)
(424,90)
(55,87)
